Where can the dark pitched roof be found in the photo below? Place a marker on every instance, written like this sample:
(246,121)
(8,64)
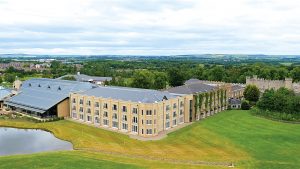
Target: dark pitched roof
(128,94)
(234,101)
(191,88)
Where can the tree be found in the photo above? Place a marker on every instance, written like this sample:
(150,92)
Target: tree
(245,105)
(9,77)
(217,73)
(251,93)
(72,78)
(160,80)
(143,79)
(296,74)
(176,77)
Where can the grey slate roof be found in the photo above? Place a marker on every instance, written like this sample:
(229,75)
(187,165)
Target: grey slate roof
(234,101)
(236,87)
(128,94)
(4,93)
(86,78)
(190,81)
(191,88)
(42,94)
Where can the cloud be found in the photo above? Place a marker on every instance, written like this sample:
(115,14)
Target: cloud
(149,27)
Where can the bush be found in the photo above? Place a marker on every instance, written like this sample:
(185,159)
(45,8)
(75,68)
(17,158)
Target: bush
(245,105)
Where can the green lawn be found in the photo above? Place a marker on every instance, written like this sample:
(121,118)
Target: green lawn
(231,136)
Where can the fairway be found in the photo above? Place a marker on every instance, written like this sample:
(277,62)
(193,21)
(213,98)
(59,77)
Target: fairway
(231,136)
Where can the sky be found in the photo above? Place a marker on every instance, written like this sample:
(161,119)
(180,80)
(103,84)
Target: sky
(150,27)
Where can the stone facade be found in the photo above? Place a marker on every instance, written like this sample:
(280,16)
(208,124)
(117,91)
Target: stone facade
(264,84)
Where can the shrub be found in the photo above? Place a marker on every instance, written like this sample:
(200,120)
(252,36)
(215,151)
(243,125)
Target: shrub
(245,105)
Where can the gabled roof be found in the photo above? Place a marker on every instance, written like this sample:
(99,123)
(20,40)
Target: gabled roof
(234,101)
(192,88)
(42,94)
(128,94)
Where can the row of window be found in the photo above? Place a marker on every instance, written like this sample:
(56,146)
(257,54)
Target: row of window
(114,123)
(124,108)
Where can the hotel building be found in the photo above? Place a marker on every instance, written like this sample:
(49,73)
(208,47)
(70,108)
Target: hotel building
(134,111)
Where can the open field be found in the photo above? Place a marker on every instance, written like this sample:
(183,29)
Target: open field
(231,136)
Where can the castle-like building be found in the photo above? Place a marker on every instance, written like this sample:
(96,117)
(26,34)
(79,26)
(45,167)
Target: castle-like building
(264,84)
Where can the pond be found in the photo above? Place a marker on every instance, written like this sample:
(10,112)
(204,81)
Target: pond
(27,141)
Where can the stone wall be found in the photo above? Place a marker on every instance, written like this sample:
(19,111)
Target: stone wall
(264,84)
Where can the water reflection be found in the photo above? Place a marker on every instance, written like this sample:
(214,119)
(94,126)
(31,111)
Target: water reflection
(26,141)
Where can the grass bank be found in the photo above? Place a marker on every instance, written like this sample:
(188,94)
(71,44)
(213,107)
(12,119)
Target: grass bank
(232,136)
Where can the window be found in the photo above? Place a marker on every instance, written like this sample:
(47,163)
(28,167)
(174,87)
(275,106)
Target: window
(105,106)
(174,106)
(167,116)
(142,112)
(97,113)
(124,108)
(97,104)
(74,115)
(149,122)
(124,118)
(134,119)
(81,116)
(105,122)
(115,116)
(88,110)
(89,118)
(74,108)
(81,101)
(134,129)
(134,111)
(181,104)
(124,126)
(115,124)
(154,112)
(174,114)
(154,122)
(97,120)
(149,112)
(168,124)
(81,109)
(174,122)
(115,107)
(105,114)
(74,100)
(88,103)
(167,108)
(181,112)
(149,131)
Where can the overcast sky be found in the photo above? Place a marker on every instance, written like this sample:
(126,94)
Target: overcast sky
(150,27)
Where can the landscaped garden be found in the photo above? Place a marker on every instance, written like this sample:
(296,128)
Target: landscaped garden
(229,137)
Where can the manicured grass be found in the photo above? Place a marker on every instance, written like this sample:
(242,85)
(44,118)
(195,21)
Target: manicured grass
(271,144)
(57,161)
(191,143)
(231,136)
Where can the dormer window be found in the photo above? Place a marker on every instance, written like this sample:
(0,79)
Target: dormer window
(49,87)
(59,88)
(39,85)
(29,84)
